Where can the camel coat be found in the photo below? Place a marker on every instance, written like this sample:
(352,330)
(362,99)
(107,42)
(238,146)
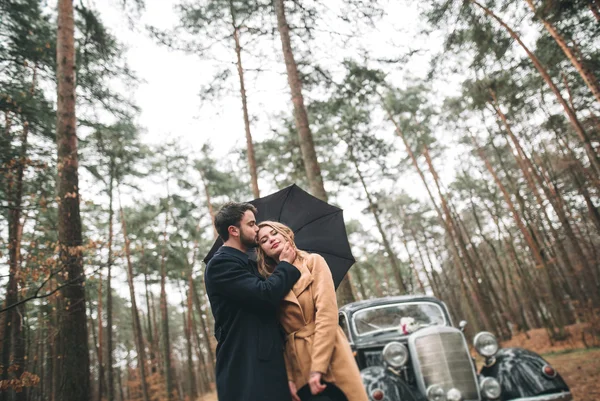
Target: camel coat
(315,341)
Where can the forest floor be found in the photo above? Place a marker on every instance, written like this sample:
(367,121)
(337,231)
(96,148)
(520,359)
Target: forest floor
(579,366)
(581,371)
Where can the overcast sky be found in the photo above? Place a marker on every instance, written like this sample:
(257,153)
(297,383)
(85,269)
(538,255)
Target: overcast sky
(171,81)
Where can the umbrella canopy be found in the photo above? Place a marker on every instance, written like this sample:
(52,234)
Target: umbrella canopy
(318,226)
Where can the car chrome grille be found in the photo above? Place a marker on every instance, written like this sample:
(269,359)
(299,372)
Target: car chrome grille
(442,358)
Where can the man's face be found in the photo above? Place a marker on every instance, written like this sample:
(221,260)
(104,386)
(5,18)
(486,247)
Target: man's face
(248,230)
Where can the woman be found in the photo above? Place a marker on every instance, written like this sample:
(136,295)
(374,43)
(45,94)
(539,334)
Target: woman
(319,361)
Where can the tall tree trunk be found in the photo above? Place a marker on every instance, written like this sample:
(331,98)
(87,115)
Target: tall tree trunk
(149,330)
(595,8)
(100,342)
(92,326)
(485,309)
(203,370)
(164,311)
(531,243)
(187,319)
(313,170)
(156,335)
(121,395)
(137,327)
(307,147)
(12,327)
(583,136)
(360,283)
(386,243)
(552,271)
(407,226)
(193,298)
(12,334)
(557,203)
(75,374)
(457,260)
(109,304)
(209,205)
(205,332)
(585,73)
(240,69)
(11,296)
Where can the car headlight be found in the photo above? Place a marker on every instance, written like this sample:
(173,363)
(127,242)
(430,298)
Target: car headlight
(490,388)
(395,354)
(454,395)
(435,393)
(486,344)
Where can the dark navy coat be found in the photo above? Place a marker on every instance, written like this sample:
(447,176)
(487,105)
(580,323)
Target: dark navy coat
(250,365)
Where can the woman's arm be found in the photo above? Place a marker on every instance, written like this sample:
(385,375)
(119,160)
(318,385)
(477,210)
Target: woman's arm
(326,315)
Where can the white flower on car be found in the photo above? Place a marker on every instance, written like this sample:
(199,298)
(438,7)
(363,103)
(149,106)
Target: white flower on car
(408,325)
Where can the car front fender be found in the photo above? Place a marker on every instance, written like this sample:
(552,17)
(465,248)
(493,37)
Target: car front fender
(521,377)
(393,387)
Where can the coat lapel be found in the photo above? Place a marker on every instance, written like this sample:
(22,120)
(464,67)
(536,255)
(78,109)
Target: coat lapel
(304,281)
(301,285)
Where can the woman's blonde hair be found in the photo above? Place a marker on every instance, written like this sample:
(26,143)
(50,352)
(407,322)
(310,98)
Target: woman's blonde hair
(266,264)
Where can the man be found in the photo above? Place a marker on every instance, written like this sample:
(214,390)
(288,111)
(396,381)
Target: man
(250,365)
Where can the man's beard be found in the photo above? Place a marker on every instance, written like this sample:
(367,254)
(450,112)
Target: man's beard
(248,242)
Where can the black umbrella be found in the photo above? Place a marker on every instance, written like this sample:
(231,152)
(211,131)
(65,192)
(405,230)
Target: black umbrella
(318,226)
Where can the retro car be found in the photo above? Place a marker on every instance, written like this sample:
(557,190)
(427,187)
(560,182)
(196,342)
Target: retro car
(408,349)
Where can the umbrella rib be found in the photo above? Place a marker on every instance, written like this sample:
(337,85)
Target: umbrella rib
(284,202)
(329,253)
(318,218)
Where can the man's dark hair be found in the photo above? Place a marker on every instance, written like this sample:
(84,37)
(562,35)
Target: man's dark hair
(230,215)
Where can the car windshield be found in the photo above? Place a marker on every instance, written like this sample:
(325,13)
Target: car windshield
(404,317)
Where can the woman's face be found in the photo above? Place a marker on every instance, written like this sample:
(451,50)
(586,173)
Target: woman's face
(270,241)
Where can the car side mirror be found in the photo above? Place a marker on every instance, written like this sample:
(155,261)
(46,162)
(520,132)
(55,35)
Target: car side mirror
(462,325)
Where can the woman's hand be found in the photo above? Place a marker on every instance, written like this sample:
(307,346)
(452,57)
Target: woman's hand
(314,382)
(293,391)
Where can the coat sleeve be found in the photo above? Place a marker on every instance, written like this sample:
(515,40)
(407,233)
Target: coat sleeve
(233,280)
(326,315)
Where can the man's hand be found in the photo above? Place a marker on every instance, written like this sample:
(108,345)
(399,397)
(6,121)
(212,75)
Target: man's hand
(288,254)
(315,384)
(293,391)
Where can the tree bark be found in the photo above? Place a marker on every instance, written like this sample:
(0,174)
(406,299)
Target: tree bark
(386,244)
(187,316)
(531,243)
(94,341)
(149,330)
(100,342)
(240,69)
(532,176)
(313,170)
(583,136)
(205,332)
(552,271)
(484,307)
(307,147)
(585,73)
(595,8)
(211,210)
(164,312)
(12,329)
(137,327)
(457,260)
(203,369)
(120,385)
(75,374)
(109,304)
